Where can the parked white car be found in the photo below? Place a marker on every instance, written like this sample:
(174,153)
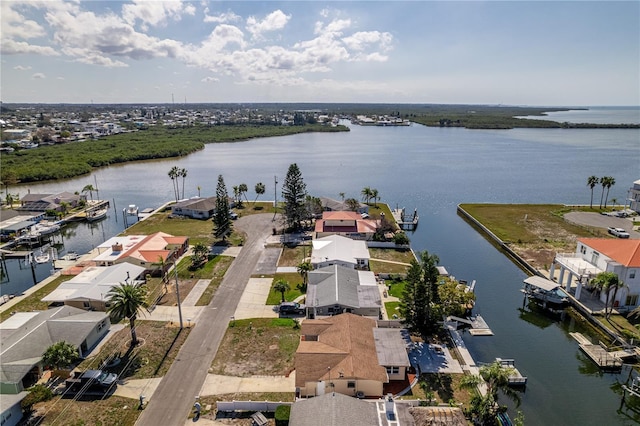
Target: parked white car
(618,232)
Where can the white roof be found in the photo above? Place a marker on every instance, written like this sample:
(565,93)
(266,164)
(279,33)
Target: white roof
(542,283)
(367,278)
(337,247)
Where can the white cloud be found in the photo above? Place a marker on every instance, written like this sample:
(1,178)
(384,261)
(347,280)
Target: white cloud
(154,12)
(22,68)
(335,26)
(59,78)
(221,18)
(274,21)
(11,47)
(210,80)
(38,75)
(362,40)
(15,25)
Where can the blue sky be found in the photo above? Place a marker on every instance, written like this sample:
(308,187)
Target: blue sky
(513,52)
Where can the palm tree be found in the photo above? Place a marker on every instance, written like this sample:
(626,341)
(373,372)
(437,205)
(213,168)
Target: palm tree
(281,286)
(243,189)
(259,189)
(610,182)
(496,378)
(603,182)
(183,174)
(200,254)
(89,188)
(60,355)
(199,190)
(366,194)
(374,195)
(605,281)
(614,201)
(341,194)
(127,300)
(173,174)
(592,181)
(303,269)
(352,204)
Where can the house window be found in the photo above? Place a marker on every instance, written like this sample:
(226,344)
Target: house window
(393,370)
(583,250)
(632,300)
(351,385)
(632,274)
(101,325)
(86,304)
(594,257)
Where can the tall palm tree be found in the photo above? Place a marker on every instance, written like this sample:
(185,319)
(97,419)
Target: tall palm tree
(603,182)
(281,286)
(259,189)
(341,194)
(127,300)
(173,174)
(89,188)
(610,182)
(592,181)
(374,195)
(366,194)
(183,174)
(199,190)
(303,269)
(606,281)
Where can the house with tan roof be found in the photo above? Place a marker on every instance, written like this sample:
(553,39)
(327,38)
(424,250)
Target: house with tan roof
(339,250)
(142,250)
(195,208)
(343,354)
(595,255)
(345,223)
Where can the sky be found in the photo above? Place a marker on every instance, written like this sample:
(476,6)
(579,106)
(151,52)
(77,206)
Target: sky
(573,53)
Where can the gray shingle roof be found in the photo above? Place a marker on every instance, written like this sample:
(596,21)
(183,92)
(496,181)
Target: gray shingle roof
(333,409)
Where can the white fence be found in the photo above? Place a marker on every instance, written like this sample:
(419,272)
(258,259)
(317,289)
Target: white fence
(264,406)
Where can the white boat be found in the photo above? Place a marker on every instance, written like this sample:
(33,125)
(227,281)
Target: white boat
(43,257)
(5,298)
(44,228)
(132,210)
(95,215)
(545,291)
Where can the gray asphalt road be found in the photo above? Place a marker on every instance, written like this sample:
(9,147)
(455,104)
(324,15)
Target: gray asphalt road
(601,221)
(176,394)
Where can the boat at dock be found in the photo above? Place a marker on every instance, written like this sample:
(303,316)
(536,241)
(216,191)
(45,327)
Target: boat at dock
(96,215)
(43,257)
(546,292)
(515,378)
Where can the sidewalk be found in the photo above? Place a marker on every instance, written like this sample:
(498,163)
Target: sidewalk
(252,301)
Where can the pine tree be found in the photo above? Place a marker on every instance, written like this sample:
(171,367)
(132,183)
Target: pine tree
(294,192)
(221,218)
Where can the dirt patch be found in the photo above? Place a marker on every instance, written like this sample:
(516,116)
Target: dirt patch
(259,346)
(110,411)
(170,298)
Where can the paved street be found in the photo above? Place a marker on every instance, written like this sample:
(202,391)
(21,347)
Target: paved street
(174,397)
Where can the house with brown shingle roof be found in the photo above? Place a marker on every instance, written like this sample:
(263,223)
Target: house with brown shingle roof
(345,223)
(340,354)
(596,255)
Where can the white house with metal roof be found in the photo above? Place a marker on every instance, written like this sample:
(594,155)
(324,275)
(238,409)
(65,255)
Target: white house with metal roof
(339,250)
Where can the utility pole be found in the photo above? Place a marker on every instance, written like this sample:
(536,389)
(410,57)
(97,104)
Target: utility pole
(175,270)
(275,197)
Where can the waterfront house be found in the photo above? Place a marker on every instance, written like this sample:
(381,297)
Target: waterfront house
(347,354)
(347,224)
(334,289)
(595,255)
(44,202)
(339,250)
(333,409)
(195,208)
(331,205)
(26,335)
(90,288)
(148,251)
(634,197)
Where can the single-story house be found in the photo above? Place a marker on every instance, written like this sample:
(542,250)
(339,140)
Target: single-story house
(339,250)
(15,223)
(347,224)
(195,208)
(143,250)
(334,289)
(89,289)
(26,335)
(634,196)
(44,202)
(10,408)
(333,409)
(331,205)
(595,255)
(342,354)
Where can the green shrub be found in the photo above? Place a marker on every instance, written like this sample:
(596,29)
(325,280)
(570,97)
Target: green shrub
(282,415)
(37,393)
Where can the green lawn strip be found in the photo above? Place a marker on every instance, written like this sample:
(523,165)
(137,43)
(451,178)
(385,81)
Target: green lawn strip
(397,288)
(160,345)
(33,301)
(391,309)
(220,266)
(250,207)
(275,297)
(391,254)
(379,267)
(622,325)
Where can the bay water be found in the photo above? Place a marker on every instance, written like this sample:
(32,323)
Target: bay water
(431,170)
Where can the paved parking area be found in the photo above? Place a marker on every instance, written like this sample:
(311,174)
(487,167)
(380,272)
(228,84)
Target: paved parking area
(602,221)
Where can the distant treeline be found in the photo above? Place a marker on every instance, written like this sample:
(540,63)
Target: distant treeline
(63,161)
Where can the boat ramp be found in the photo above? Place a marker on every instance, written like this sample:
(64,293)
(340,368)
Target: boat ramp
(601,355)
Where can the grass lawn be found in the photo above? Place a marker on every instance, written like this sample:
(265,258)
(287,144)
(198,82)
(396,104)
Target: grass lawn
(33,302)
(275,297)
(390,307)
(445,388)
(114,410)
(258,346)
(397,287)
(379,267)
(160,345)
(293,256)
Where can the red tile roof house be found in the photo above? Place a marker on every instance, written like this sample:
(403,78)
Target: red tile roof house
(347,224)
(595,255)
(348,354)
(142,250)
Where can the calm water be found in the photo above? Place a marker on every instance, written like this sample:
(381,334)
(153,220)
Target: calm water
(598,115)
(433,170)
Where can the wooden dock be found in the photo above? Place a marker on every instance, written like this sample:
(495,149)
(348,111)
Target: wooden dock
(403,222)
(599,353)
(479,326)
